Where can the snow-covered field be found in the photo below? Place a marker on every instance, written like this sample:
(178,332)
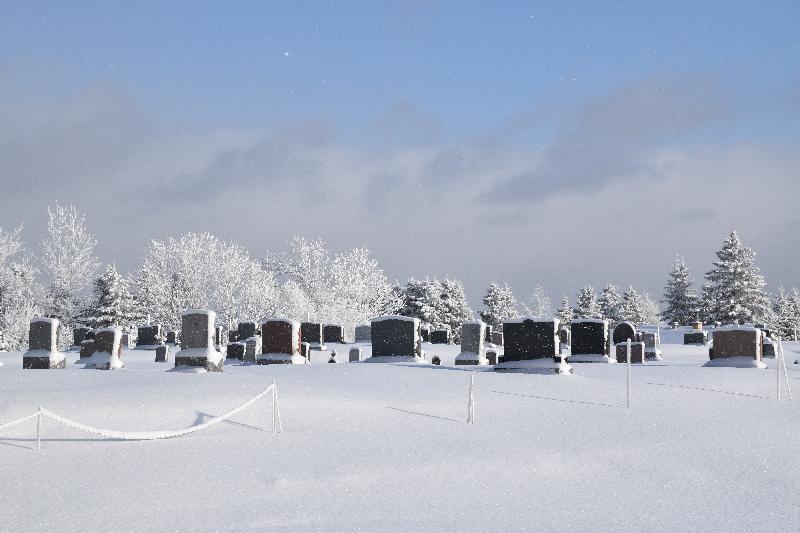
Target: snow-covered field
(374,447)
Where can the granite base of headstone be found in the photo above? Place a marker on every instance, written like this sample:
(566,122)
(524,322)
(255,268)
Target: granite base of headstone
(355,355)
(532,346)
(43,351)
(197,343)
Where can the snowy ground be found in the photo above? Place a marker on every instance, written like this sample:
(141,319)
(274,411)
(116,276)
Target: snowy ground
(385,448)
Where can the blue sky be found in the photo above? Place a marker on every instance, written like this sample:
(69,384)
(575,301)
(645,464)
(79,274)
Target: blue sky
(486,141)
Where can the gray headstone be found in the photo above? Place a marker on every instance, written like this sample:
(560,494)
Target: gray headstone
(488,333)
(162,354)
(355,355)
(43,345)
(172,337)
(235,350)
(472,344)
(425,333)
(107,349)
(252,347)
(363,333)
(197,341)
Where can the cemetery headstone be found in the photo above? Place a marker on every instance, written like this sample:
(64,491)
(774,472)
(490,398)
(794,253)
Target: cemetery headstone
(532,345)
(436,360)
(425,333)
(497,338)
(79,334)
(235,350)
(305,351)
(363,333)
(148,337)
(355,355)
(737,346)
(491,356)
(43,345)
(440,336)
(637,352)
(252,347)
(197,342)
(396,338)
(233,336)
(87,348)
(172,337)
(332,358)
(622,332)
(333,333)
(697,338)
(107,350)
(652,346)
(280,343)
(162,354)
(589,341)
(246,329)
(311,332)
(473,336)
(488,334)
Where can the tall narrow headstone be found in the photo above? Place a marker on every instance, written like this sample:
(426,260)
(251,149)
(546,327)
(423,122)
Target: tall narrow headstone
(218,338)
(355,354)
(43,345)
(497,338)
(107,350)
(252,347)
(197,342)
(652,346)
(589,342)
(425,333)
(532,346)
(473,337)
(396,338)
(162,354)
(488,334)
(280,342)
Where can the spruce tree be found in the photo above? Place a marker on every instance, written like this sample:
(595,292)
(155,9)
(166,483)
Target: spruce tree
(785,316)
(110,307)
(452,307)
(632,309)
(586,305)
(565,313)
(610,302)
(738,285)
(679,296)
(500,304)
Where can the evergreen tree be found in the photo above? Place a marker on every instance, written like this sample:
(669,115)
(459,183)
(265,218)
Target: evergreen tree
(610,302)
(632,309)
(420,301)
(586,305)
(500,305)
(112,303)
(738,285)
(565,313)
(452,309)
(538,304)
(707,304)
(679,296)
(785,315)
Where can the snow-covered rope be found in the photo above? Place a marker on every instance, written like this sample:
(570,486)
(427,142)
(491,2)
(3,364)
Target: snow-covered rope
(19,420)
(142,435)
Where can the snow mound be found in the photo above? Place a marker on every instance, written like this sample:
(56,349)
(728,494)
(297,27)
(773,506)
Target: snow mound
(534,366)
(591,358)
(735,362)
(396,359)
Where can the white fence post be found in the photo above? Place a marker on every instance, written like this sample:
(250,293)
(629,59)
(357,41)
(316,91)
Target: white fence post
(471,402)
(277,427)
(785,373)
(778,372)
(39,429)
(628,377)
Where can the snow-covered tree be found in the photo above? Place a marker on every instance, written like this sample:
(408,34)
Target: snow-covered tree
(20,294)
(679,295)
(420,301)
(785,318)
(68,261)
(440,304)
(650,313)
(632,308)
(538,304)
(586,305)
(565,313)
(453,309)
(610,302)
(112,305)
(738,285)
(707,304)
(500,305)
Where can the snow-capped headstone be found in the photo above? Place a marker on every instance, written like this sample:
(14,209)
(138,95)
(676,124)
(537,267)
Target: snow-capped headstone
(440,336)
(355,355)
(472,344)
(396,338)
(235,350)
(333,333)
(162,354)
(107,350)
(197,342)
(79,334)
(622,332)
(311,332)
(246,329)
(252,347)
(637,352)
(652,346)
(487,332)
(737,346)
(305,351)
(532,346)
(43,345)
(363,333)
(87,348)
(280,342)
(148,337)
(589,341)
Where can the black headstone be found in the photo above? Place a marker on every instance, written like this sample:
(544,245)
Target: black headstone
(311,332)
(529,339)
(395,337)
(622,332)
(333,333)
(246,330)
(78,335)
(588,337)
(440,336)
(425,333)
(235,351)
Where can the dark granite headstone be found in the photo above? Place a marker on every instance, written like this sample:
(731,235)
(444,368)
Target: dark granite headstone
(436,360)
(488,334)
(305,350)
(699,338)
(440,336)
(425,333)
(87,348)
(107,350)
(148,335)
(637,352)
(162,354)
(79,334)
(745,342)
(491,355)
(235,350)
(588,337)
(622,332)
(311,332)
(233,336)
(218,336)
(43,345)
(563,335)
(333,333)
(280,343)
(172,337)
(246,329)
(396,337)
(497,338)
(197,341)
(529,339)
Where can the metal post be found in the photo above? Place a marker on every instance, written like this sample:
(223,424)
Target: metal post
(778,372)
(39,429)
(471,402)
(628,376)
(785,373)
